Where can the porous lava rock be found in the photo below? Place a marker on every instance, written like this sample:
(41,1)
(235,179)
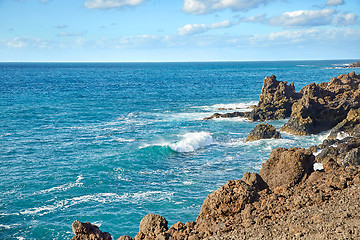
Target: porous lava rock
(287,167)
(350,126)
(255,181)
(276,100)
(345,151)
(263,131)
(151,226)
(322,106)
(88,231)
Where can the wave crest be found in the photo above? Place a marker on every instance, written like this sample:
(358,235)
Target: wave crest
(192,141)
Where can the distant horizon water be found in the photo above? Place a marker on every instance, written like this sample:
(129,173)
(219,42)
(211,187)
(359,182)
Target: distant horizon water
(109,143)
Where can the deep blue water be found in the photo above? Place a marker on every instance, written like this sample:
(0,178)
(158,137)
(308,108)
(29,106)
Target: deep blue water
(110,142)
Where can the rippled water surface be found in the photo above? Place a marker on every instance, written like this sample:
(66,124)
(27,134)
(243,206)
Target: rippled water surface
(110,142)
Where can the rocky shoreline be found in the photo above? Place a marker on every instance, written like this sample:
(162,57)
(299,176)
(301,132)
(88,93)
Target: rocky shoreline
(288,199)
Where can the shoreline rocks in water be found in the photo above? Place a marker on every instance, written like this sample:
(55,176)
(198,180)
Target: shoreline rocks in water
(263,131)
(288,199)
(316,108)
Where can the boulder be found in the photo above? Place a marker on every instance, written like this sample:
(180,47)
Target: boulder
(263,131)
(287,167)
(324,105)
(151,226)
(88,231)
(228,200)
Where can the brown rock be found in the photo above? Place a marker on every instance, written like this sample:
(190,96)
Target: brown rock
(287,167)
(255,181)
(124,238)
(324,105)
(88,231)
(229,199)
(263,131)
(151,226)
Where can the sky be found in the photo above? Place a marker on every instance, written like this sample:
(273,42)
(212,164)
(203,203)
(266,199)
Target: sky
(178,30)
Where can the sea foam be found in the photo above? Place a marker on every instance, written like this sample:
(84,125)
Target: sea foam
(192,141)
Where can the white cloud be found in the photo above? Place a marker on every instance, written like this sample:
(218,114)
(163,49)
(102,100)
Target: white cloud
(334,2)
(303,18)
(321,36)
(107,4)
(207,6)
(223,24)
(345,19)
(192,29)
(23,42)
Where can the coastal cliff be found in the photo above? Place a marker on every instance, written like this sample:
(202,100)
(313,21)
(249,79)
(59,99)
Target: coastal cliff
(288,199)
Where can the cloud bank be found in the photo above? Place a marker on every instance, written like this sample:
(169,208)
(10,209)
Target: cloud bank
(107,4)
(207,6)
(191,29)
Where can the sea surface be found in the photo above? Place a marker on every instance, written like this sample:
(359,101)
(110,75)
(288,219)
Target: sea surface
(109,143)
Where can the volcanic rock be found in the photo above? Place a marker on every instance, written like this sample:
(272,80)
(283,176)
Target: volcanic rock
(324,105)
(276,100)
(263,131)
(255,181)
(88,231)
(287,167)
(151,225)
(350,126)
(345,151)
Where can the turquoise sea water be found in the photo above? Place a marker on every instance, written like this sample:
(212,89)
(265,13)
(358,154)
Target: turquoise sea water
(110,142)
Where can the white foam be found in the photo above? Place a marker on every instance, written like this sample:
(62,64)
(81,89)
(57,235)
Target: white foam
(318,166)
(317,152)
(342,135)
(243,107)
(66,186)
(192,141)
(103,198)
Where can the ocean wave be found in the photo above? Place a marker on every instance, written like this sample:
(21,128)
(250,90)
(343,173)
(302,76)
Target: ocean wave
(192,141)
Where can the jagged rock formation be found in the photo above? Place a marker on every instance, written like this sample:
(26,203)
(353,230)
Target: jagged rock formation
(316,108)
(263,131)
(350,126)
(276,100)
(88,231)
(324,105)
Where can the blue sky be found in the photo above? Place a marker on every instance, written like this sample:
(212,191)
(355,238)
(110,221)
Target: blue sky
(178,30)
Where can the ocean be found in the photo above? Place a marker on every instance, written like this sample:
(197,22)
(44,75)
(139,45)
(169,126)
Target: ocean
(109,143)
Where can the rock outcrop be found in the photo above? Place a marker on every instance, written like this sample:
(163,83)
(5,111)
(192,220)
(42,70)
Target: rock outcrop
(88,231)
(316,108)
(324,105)
(263,131)
(276,100)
